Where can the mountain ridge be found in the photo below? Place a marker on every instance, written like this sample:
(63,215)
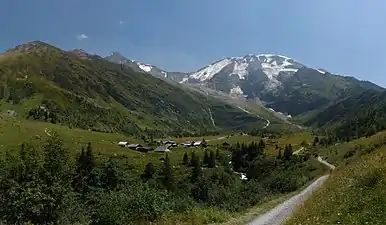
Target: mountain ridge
(278,81)
(93,93)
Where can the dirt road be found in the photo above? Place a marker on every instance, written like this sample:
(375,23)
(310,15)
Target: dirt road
(279,214)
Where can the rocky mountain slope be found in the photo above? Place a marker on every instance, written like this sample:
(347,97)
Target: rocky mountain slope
(116,57)
(87,91)
(278,81)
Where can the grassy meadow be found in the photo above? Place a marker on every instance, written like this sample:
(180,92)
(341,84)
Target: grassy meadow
(356,192)
(13,132)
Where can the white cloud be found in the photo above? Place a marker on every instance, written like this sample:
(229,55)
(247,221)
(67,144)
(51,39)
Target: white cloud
(81,37)
(121,22)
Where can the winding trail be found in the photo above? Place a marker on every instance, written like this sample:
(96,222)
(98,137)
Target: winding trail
(279,214)
(326,163)
(265,126)
(298,151)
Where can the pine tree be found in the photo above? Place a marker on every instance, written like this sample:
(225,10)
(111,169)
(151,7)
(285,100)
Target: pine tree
(238,146)
(212,160)
(149,172)
(185,159)
(90,158)
(237,159)
(217,153)
(193,160)
(197,171)
(80,171)
(206,158)
(287,152)
(261,147)
(167,178)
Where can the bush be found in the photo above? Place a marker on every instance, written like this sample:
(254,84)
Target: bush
(130,206)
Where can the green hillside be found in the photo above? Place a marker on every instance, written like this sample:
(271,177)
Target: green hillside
(309,90)
(359,115)
(356,192)
(42,82)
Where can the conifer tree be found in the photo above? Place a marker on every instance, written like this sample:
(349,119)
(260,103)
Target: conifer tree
(217,153)
(197,171)
(212,160)
(287,152)
(167,178)
(185,159)
(90,158)
(149,172)
(206,158)
(193,160)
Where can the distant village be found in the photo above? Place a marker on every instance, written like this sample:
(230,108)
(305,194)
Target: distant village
(164,146)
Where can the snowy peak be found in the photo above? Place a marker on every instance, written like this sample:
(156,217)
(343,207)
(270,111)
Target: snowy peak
(145,67)
(208,72)
(272,65)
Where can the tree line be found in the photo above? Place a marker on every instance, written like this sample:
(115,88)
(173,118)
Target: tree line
(42,184)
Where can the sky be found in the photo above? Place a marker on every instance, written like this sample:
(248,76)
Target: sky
(346,37)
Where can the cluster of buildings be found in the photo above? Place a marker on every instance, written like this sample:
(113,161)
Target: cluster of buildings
(162,146)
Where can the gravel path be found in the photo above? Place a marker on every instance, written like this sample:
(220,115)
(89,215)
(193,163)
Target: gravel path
(279,214)
(326,163)
(298,151)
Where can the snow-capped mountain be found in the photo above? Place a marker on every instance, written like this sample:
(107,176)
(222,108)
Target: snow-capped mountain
(278,81)
(116,57)
(271,68)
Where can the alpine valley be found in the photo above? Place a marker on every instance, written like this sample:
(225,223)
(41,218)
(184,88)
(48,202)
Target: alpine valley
(116,94)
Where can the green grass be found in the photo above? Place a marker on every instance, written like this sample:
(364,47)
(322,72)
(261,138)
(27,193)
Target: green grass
(342,153)
(14,131)
(99,95)
(355,194)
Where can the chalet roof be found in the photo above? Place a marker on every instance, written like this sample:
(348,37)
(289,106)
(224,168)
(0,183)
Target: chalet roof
(162,149)
(196,143)
(134,145)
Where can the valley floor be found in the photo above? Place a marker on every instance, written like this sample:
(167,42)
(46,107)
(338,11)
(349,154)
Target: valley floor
(14,132)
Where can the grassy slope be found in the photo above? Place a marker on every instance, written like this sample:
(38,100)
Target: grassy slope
(359,115)
(13,132)
(309,90)
(356,192)
(104,96)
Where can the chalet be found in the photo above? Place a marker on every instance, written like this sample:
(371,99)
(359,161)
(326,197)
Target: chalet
(169,142)
(197,143)
(123,143)
(133,146)
(186,144)
(144,149)
(163,148)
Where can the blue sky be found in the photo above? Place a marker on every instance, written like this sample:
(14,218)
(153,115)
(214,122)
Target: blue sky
(347,37)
